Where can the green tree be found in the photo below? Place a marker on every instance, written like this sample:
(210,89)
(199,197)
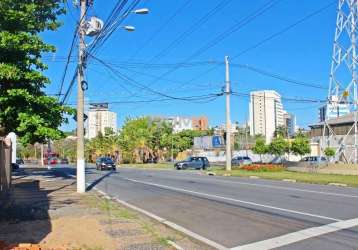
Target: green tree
(102,145)
(260,147)
(24,107)
(281,131)
(301,145)
(142,136)
(279,146)
(330,152)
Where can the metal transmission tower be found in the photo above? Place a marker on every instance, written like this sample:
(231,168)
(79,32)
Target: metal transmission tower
(342,95)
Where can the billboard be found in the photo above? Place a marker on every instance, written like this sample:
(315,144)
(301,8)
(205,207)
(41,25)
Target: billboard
(208,142)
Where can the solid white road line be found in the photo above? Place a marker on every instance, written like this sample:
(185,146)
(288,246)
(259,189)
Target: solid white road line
(166,222)
(278,187)
(294,237)
(270,186)
(232,199)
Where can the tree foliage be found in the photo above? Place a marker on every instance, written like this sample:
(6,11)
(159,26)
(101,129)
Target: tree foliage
(260,147)
(301,145)
(329,152)
(102,145)
(24,107)
(279,146)
(143,137)
(281,131)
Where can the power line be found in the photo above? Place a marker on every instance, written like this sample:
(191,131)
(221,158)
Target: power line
(111,24)
(193,98)
(68,91)
(279,77)
(143,86)
(288,99)
(161,28)
(74,39)
(191,29)
(241,23)
(272,36)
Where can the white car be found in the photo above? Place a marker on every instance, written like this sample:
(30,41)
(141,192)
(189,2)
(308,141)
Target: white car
(241,160)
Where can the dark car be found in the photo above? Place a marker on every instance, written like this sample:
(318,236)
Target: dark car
(64,161)
(14,166)
(19,161)
(193,162)
(105,163)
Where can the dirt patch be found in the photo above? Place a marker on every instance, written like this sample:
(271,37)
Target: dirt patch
(45,209)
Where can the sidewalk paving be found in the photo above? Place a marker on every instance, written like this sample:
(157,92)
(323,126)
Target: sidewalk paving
(44,208)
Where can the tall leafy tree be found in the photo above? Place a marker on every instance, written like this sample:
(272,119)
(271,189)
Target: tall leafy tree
(24,107)
(279,146)
(260,147)
(301,145)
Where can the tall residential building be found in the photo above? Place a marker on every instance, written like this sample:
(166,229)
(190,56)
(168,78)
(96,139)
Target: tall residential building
(290,123)
(266,113)
(200,123)
(100,118)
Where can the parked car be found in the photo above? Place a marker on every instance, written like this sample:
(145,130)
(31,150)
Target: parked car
(64,161)
(14,166)
(19,161)
(51,161)
(105,163)
(151,160)
(241,160)
(315,160)
(193,162)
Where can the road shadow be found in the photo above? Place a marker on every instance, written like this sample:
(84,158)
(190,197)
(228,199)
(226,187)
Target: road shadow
(25,212)
(97,181)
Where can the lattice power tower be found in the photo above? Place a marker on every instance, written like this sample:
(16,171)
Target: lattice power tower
(342,95)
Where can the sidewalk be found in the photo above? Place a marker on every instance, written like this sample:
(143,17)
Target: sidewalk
(44,208)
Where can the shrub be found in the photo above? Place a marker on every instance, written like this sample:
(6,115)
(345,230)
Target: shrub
(263,168)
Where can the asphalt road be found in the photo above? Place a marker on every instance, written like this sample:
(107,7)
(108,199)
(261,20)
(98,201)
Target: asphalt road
(239,213)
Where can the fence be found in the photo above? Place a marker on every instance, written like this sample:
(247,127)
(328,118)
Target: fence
(5,165)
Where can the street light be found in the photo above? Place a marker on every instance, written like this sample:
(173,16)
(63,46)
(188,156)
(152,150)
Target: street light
(143,11)
(129,28)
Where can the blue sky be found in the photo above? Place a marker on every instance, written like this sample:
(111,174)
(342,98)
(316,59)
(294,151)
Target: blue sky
(303,53)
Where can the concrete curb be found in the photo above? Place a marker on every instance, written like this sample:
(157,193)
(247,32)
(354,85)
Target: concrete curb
(173,244)
(338,184)
(289,180)
(165,222)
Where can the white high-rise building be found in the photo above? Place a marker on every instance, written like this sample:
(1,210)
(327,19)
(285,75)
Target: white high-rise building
(266,113)
(100,118)
(290,123)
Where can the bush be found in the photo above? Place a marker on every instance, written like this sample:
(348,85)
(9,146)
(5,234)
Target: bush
(263,168)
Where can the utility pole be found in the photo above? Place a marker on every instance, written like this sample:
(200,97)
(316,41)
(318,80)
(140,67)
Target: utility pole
(42,154)
(246,137)
(228,122)
(81,188)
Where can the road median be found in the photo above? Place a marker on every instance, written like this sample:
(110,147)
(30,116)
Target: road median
(313,178)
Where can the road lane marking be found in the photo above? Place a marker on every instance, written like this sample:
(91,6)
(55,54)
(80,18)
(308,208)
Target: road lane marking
(278,187)
(233,200)
(294,237)
(164,221)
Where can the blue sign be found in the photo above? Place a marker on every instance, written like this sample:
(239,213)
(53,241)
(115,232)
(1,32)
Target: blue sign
(217,141)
